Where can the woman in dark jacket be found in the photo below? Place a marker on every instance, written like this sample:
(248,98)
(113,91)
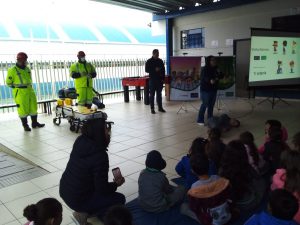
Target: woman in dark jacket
(208,88)
(84,185)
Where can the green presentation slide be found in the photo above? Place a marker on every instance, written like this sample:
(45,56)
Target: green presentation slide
(274,58)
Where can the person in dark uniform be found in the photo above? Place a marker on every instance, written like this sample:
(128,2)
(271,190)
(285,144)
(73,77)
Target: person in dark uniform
(156,69)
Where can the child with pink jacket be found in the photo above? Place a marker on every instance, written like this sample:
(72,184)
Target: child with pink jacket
(288,177)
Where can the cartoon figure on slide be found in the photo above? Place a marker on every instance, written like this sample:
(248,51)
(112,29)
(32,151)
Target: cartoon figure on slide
(279,69)
(284,43)
(292,64)
(294,44)
(275,45)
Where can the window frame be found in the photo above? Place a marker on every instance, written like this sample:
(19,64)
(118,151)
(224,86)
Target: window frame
(192,38)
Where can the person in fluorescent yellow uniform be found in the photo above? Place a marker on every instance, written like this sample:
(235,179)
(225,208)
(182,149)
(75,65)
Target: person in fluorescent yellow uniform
(19,79)
(83,72)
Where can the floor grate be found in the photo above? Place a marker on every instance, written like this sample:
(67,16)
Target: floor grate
(14,170)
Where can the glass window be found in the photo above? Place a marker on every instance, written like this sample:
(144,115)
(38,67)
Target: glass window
(192,38)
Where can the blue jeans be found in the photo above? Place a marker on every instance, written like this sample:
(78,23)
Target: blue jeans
(208,101)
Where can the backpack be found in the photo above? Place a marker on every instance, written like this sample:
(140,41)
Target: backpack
(67,93)
(98,100)
(210,202)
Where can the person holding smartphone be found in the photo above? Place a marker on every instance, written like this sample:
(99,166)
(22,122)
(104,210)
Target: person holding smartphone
(84,185)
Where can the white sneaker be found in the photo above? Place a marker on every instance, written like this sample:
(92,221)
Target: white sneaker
(200,124)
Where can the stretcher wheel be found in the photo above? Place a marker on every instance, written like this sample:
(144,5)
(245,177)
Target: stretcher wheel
(57,121)
(72,128)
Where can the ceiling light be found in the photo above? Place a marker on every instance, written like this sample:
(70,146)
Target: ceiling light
(198,4)
(166,11)
(181,8)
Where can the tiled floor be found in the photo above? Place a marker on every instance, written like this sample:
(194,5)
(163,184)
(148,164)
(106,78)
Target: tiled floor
(135,133)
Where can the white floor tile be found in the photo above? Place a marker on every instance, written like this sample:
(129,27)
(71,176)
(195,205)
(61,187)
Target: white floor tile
(117,147)
(6,215)
(16,222)
(16,207)
(130,167)
(17,191)
(131,153)
(53,156)
(47,181)
(130,187)
(60,164)
(115,160)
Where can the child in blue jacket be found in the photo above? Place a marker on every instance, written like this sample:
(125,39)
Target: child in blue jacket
(183,168)
(282,208)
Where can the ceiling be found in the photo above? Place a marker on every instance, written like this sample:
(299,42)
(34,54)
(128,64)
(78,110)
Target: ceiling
(164,7)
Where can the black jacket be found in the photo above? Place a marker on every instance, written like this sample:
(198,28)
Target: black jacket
(207,74)
(151,64)
(86,173)
(272,153)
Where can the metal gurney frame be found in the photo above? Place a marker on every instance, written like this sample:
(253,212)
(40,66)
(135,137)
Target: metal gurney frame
(76,118)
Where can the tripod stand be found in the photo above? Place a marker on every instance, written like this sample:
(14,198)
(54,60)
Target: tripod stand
(184,106)
(273,101)
(220,104)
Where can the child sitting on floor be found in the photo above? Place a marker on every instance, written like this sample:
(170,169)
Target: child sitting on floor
(274,147)
(155,192)
(254,158)
(214,150)
(247,186)
(183,167)
(47,211)
(270,124)
(208,197)
(296,142)
(282,208)
(288,176)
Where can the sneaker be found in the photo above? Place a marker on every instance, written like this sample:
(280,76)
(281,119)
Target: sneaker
(80,218)
(200,124)
(153,111)
(162,110)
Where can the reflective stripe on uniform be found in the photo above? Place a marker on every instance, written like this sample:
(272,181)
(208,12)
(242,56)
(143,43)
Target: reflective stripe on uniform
(19,75)
(22,85)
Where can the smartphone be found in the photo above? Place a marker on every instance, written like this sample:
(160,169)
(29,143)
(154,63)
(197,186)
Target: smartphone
(117,173)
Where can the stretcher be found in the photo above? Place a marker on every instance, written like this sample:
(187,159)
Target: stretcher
(76,116)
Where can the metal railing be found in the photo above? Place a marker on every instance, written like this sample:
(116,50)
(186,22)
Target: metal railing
(50,76)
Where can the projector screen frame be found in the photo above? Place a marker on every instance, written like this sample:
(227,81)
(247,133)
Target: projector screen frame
(281,83)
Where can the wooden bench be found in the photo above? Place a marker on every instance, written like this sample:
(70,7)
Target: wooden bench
(46,105)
